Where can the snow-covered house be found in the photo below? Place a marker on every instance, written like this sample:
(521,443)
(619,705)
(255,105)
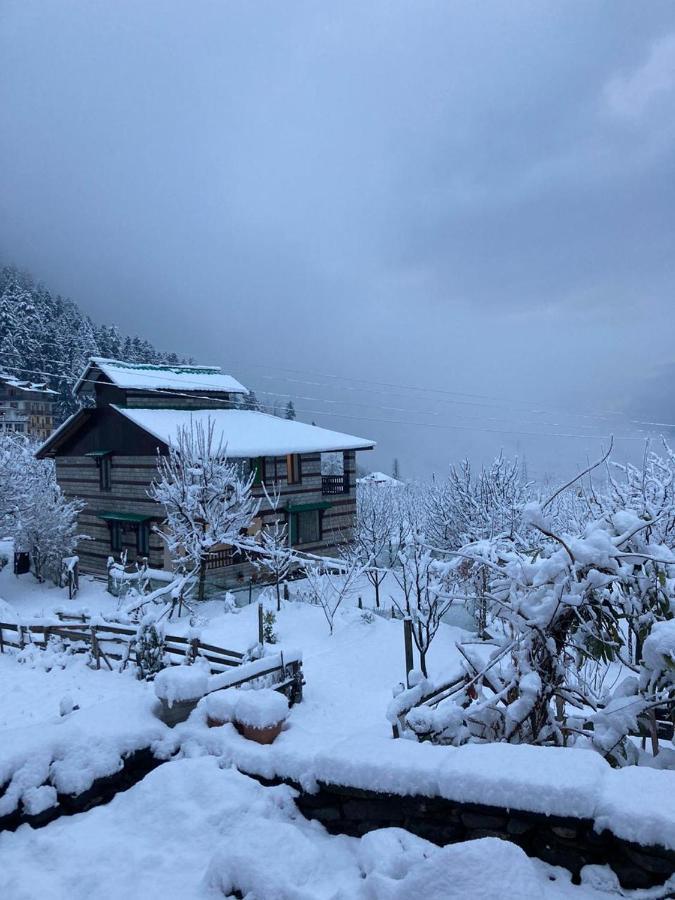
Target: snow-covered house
(380,478)
(26,406)
(106,455)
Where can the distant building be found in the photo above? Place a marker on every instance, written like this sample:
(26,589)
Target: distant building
(106,455)
(26,407)
(380,478)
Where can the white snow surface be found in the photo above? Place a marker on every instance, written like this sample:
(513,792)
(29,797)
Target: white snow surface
(193,830)
(638,804)
(260,709)
(43,751)
(245,432)
(144,376)
(176,683)
(549,780)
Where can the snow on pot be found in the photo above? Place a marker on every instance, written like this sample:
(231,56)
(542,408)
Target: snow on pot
(179,689)
(219,707)
(260,715)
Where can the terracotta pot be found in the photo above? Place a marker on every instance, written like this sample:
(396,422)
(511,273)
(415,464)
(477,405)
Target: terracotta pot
(260,735)
(214,723)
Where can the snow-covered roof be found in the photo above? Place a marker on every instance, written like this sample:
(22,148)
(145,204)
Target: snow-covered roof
(12,381)
(143,376)
(247,433)
(380,478)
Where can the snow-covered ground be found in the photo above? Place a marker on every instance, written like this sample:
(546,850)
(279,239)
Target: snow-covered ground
(193,830)
(196,828)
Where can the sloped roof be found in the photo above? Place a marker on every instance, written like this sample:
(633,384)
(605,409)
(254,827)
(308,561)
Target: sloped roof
(380,478)
(71,425)
(37,387)
(245,432)
(143,376)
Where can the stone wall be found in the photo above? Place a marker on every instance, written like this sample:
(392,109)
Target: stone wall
(571,843)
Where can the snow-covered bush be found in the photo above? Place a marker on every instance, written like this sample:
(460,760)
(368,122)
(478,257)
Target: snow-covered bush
(553,606)
(149,648)
(269,621)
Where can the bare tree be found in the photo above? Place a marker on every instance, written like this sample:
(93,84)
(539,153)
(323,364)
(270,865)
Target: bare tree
(207,500)
(330,583)
(375,517)
(424,581)
(273,557)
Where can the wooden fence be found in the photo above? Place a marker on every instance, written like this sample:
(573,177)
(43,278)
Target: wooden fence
(112,641)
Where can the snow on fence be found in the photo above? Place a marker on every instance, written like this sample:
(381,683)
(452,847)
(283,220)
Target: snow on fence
(108,642)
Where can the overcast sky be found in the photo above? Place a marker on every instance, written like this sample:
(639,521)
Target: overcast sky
(474,199)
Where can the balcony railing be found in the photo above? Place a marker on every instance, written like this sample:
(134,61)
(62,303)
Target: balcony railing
(334,484)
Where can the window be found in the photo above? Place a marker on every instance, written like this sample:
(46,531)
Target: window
(115,537)
(306,527)
(258,469)
(105,473)
(293,471)
(143,539)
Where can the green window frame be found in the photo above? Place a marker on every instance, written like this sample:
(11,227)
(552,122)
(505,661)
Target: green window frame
(143,539)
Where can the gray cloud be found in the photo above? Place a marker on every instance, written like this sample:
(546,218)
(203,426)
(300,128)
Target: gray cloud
(472,198)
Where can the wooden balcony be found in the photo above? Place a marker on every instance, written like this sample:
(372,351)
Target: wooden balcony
(334,484)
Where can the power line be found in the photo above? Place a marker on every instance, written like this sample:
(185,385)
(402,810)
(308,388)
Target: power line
(332,401)
(451,426)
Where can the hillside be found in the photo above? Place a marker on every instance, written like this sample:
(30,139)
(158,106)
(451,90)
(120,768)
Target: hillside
(46,337)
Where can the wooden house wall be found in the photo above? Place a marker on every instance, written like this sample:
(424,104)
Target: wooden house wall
(132,474)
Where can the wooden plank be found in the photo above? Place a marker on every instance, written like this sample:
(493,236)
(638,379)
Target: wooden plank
(215,649)
(116,629)
(221,662)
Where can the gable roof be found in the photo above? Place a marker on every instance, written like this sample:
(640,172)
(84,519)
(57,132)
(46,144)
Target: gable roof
(65,430)
(245,432)
(143,376)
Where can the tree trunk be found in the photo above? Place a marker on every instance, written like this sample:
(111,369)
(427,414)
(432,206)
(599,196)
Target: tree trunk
(377,594)
(202,578)
(278,596)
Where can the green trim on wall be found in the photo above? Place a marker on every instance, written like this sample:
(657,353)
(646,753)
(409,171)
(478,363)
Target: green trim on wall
(307,507)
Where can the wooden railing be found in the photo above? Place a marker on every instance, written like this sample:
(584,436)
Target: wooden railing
(112,641)
(335,484)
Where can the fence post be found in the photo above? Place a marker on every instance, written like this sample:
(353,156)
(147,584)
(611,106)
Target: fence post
(250,590)
(408,641)
(261,633)
(94,647)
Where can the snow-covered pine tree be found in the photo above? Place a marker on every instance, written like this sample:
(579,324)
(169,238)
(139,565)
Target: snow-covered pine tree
(46,337)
